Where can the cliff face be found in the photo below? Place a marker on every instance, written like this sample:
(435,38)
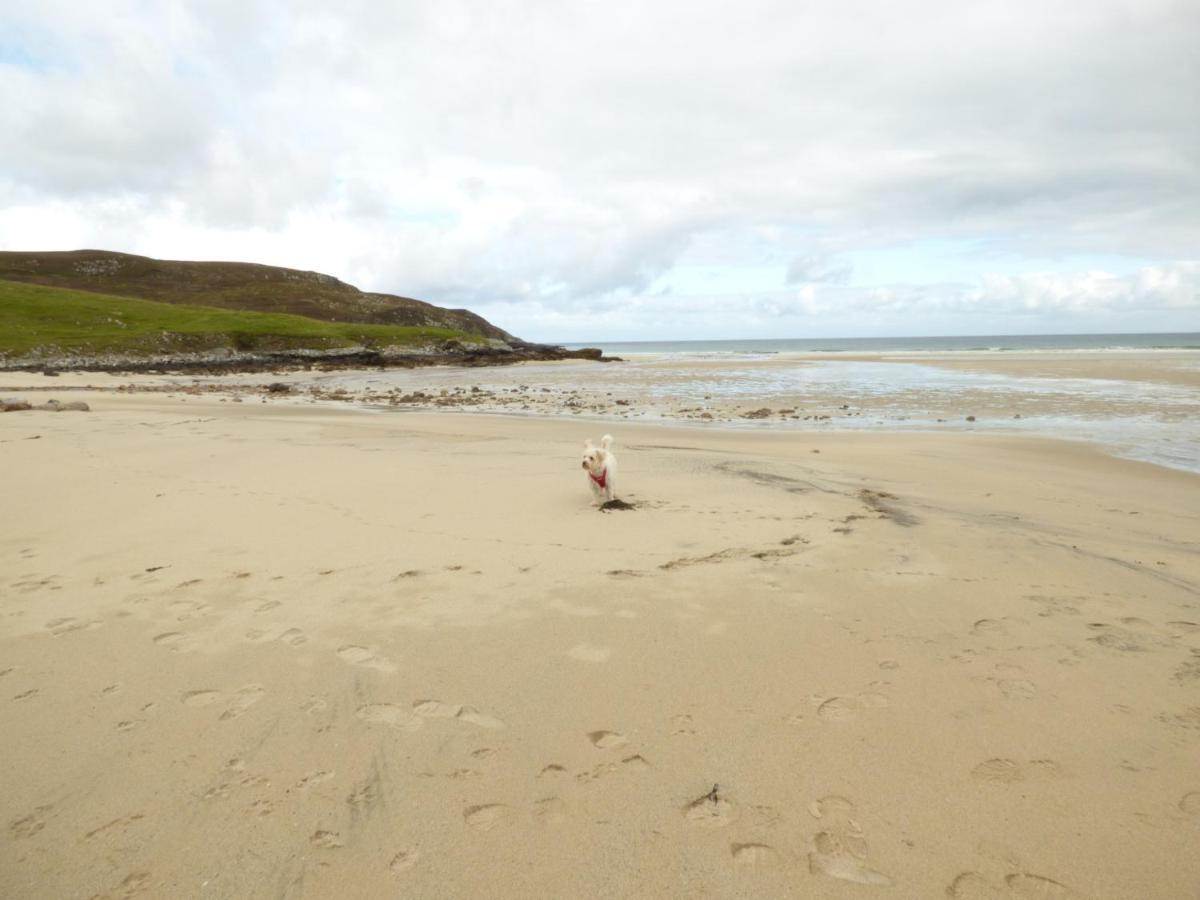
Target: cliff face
(231,285)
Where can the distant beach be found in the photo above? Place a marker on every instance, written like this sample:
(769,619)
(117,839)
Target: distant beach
(1139,403)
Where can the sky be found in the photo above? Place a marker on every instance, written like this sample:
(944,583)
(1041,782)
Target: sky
(646,170)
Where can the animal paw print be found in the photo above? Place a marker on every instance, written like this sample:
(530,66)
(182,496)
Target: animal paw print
(681,726)
(1015,886)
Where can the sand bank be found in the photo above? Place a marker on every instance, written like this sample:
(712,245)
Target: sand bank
(267,651)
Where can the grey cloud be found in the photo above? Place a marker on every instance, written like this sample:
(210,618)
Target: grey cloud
(562,154)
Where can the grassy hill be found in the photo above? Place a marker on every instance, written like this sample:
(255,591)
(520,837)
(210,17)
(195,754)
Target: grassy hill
(47,322)
(239,286)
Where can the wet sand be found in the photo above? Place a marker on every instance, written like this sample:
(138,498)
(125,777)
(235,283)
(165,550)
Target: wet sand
(277,650)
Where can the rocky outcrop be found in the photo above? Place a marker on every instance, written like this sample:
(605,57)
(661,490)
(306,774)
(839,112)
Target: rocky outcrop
(447,353)
(12,404)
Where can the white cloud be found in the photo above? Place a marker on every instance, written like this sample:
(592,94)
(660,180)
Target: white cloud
(542,161)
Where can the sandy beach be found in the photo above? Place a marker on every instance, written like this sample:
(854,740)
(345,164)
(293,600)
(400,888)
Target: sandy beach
(285,650)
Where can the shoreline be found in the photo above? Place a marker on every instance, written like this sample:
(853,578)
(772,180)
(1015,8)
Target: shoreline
(1143,406)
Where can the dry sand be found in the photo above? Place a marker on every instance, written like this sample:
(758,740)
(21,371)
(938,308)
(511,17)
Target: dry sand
(261,651)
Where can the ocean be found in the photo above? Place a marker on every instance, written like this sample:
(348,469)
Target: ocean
(996,343)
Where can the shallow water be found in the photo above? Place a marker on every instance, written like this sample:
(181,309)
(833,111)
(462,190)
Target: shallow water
(1154,421)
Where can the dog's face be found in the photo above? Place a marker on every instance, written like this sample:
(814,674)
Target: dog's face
(593,458)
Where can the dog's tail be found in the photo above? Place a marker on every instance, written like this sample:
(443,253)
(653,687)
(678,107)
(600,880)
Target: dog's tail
(605,442)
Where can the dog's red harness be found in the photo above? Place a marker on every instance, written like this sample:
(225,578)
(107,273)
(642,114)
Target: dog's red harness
(602,481)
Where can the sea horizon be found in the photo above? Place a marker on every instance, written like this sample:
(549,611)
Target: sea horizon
(972,343)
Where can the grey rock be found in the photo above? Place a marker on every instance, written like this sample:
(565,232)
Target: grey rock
(72,406)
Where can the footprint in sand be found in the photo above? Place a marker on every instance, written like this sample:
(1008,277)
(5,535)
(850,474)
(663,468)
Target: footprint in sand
(59,627)
(485,818)
(170,639)
(28,826)
(364,796)
(840,850)
(1123,639)
(1006,771)
(200,698)
(389,714)
(1189,669)
(712,810)
(1190,803)
(218,792)
(188,609)
(326,840)
(552,770)
(435,709)
(133,884)
(312,778)
(682,725)
(753,855)
(988,627)
(265,607)
(120,824)
(605,740)
(1188,718)
(404,860)
(358,655)
(1017,886)
(595,773)
(294,637)
(550,811)
(845,709)
(1017,688)
(1182,629)
(589,653)
(314,705)
(243,699)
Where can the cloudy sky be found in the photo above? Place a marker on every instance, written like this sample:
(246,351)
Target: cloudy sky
(633,170)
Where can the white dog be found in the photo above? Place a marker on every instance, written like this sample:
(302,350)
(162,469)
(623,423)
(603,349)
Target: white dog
(601,467)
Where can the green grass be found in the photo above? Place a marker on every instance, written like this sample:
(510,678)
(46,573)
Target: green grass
(44,322)
(242,287)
